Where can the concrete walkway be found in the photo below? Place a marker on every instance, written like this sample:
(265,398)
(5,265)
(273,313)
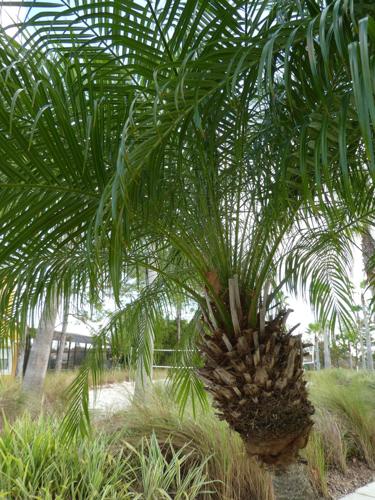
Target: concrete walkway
(366,492)
(111,398)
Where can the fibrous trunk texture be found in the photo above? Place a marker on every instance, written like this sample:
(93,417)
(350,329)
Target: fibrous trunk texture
(256,380)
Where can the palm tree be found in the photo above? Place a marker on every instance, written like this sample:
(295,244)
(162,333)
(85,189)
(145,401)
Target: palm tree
(359,325)
(61,347)
(368,254)
(205,130)
(37,363)
(315,329)
(367,332)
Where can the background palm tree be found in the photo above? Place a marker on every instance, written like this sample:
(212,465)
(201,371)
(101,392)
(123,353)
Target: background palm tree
(64,329)
(315,329)
(37,363)
(270,147)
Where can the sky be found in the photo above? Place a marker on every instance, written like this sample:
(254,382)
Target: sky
(302,312)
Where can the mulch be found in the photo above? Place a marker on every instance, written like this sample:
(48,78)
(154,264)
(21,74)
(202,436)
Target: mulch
(358,474)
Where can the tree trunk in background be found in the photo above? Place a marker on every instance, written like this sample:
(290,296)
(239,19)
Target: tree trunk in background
(143,380)
(61,348)
(370,361)
(21,356)
(178,321)
(327,353)
(368,252)
(350,357)
(362,348)
(37,364)
(317,353)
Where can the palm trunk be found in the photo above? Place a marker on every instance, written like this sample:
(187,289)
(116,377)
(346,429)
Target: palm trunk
(362,349)
(370,361)
(61,349)
(327,353)
(350,357)
(317,353)
(368,252)
(255,375)
(21,356)
(143,379)
(40,351)
(178,321)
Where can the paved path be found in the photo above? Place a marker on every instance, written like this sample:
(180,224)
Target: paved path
(366,492)
(111,398)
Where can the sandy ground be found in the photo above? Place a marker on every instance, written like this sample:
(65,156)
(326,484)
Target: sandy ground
(111,398)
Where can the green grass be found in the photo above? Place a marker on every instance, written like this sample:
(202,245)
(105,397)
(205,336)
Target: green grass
(11,400)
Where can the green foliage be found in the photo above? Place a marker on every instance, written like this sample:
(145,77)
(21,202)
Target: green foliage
(169,478)
(315,455)
(11,399)
(153,448)
(344,421)
(185,139)
(203,437)
(35,463)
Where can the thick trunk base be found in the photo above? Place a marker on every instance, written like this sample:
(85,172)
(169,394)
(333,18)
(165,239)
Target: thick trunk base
(256,380)
(279,450)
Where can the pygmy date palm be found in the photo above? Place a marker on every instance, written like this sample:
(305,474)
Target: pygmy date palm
(215,131)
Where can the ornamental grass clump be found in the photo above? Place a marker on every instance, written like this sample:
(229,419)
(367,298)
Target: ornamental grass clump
(35,462)
(206,439)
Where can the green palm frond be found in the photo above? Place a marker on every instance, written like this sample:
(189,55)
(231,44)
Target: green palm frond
(201,140)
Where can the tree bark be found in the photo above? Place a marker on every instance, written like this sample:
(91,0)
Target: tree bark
(61,349)
(21,356)
(143,380)
(368,252)
(327,353)
(178,321)
(362,347)
(317,353)
(37,364)
(370,360)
